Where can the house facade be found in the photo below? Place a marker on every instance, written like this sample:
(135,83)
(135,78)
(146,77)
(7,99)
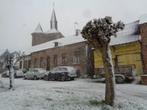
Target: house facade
(125,49)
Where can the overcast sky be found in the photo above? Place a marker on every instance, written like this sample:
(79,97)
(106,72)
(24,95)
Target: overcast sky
(19,18)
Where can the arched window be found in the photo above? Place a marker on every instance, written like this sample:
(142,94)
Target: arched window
(48,63)
(55,60)
(64,59)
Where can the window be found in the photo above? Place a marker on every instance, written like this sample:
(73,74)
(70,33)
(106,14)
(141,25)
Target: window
(64,60)
(35,62)
(29,63)
(48,63)
(55,60)
(76,57)
(42,62)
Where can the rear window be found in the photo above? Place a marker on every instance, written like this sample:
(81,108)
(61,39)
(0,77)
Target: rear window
(60,69)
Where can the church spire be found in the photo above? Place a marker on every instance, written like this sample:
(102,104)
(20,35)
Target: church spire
(53,22)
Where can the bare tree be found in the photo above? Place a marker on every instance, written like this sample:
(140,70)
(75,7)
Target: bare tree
(98,33)
(3,62)
(10,67)
(12,59)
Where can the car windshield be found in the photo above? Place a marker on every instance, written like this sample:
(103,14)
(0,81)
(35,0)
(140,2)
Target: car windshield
(60,69)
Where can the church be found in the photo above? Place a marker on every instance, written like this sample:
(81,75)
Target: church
(50,49)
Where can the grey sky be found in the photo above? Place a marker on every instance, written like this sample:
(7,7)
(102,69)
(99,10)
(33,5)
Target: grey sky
(19,18)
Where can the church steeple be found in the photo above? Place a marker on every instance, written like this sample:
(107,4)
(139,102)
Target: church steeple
(53,22)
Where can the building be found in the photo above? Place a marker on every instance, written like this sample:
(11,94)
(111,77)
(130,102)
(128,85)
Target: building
(143,32)
(126,50)
(50,49)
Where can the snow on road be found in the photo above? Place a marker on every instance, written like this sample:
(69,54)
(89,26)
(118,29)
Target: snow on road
(82,94)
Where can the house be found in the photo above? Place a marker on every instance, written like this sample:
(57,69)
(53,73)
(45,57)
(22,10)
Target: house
(125,49)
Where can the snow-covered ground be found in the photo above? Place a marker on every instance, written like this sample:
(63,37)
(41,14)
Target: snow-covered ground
(81,94)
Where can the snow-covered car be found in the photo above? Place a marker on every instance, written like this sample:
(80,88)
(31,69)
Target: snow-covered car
(5,74)
(62,73)
(35,73)
(18,74)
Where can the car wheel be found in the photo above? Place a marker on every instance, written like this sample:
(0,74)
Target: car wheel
(62,78)
(119,79)
(68,78)
(35,78)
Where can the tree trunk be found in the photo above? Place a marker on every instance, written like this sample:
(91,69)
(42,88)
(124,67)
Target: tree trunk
(90,62)
(11,76)
(1,83)
(109,75)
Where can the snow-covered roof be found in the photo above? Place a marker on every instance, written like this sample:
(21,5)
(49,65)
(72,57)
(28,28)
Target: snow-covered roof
(143,19)
(52,31)
(129,34)
(62,42)
(123,39)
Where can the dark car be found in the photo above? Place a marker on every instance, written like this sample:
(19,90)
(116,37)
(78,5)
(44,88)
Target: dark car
(125,74)
(61,73)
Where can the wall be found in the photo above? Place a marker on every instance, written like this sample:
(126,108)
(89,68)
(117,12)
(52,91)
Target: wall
(47,57)
(126,54)
(143,32)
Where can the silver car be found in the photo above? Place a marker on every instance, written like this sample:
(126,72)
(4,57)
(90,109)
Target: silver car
(35,73)
(62,73)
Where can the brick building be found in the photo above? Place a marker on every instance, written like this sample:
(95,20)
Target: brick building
(143,32)
(50,49)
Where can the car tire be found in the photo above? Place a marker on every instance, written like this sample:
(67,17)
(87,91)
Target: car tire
(35,77)
(119,79)
(68,78)
(62,78)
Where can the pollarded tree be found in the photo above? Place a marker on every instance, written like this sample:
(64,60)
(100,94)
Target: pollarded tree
(98,33)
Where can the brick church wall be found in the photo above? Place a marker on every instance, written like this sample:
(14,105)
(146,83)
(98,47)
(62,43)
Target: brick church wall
(68,51)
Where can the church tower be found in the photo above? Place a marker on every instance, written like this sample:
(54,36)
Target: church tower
(53,21)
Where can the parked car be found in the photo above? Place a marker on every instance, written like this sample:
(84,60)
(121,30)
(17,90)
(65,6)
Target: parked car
(35,73)
(62,73)
(125,74)
(5,74)
(17,74)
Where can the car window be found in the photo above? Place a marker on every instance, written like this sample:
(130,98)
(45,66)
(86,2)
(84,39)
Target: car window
(63,69)
(35,71)
(60,69)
